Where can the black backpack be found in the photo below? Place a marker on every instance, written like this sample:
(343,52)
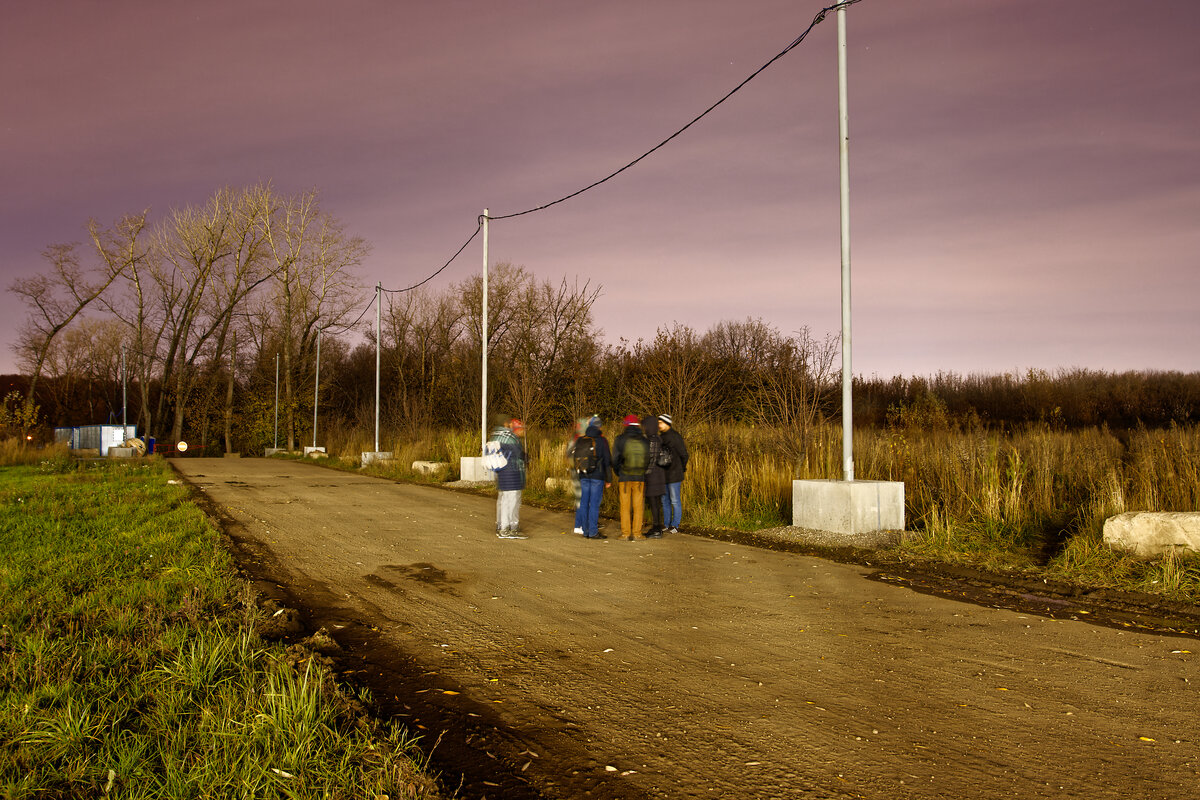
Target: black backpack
(665,457)
(585,454)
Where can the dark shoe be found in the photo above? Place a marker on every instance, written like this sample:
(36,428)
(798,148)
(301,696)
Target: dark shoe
(653,534)
(597,536)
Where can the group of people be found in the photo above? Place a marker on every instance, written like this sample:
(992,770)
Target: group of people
(647,461)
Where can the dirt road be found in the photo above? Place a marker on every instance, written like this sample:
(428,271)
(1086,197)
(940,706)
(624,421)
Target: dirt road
(692,668)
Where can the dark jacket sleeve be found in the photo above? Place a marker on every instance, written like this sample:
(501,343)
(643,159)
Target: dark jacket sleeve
(605,459)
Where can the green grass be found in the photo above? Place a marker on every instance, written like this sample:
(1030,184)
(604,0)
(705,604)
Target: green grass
(130,666)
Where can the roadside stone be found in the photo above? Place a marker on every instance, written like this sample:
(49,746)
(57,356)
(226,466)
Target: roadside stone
(1152,533)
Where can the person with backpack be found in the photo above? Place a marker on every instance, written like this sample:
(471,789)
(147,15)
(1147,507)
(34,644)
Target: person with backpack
(592,462)
(674,459)
(631,454)
(581,426)
(656,478)
(504,455)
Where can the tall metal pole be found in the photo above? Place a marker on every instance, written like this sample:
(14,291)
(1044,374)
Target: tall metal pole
(484,344)
(124,396)
(378,345)
(277,401)
(847,341)
(317,388)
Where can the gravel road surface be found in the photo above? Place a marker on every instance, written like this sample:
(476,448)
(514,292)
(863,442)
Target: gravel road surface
(557,667)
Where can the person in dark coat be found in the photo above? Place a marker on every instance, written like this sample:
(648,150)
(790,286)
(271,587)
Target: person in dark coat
(593,482)
(672,501)
(656,479)
(510,478)
(630,455)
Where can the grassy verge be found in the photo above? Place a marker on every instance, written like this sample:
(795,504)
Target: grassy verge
(130,666)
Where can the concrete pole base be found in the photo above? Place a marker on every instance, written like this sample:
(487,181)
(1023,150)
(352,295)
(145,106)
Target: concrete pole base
(849,508)
(470,468)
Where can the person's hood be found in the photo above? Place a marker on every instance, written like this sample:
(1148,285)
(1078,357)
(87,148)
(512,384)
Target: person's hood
(593,431)
(649,425)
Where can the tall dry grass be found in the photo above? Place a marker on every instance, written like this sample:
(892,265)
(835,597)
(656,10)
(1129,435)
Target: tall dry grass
(17,452)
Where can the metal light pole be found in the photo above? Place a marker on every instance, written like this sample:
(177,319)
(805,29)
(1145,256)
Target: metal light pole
(847,341)
(124,396)
(483,393)
(317,389)
(277,401)
(378,344)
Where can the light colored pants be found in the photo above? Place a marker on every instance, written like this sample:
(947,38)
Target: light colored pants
(633,503)
(508,510)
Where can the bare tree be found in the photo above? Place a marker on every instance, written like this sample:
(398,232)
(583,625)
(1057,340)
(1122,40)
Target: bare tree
(676,374)
(56,298)
(314,288)
(212,259)
(794,387)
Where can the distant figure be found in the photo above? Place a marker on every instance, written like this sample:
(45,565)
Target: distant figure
(630,456)
(592,462)
(656,478)
(505,456)
(581,428)
(676,451)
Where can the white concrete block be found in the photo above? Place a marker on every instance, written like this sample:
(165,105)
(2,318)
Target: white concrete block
(470,468)
(120,452)
(270,451)
(848,507)
(560,485)
(1151,533)
(430,467)
(381,457)
(309,451)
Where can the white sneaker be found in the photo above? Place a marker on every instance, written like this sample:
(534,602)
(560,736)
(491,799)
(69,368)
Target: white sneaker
(579,530)
(511,535)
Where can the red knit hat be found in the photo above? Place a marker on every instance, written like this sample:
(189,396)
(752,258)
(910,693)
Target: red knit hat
(632,419)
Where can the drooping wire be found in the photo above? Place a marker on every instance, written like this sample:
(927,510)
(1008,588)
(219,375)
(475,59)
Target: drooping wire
(795,43)
(471,238)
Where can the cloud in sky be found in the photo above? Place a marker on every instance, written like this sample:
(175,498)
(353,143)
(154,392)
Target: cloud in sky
(1025,176)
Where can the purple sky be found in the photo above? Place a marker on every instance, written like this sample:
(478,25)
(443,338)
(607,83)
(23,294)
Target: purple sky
(1025,175)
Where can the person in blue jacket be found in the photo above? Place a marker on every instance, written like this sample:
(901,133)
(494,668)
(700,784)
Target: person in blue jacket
(510,478)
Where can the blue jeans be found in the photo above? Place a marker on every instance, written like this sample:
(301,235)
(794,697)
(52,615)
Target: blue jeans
(592,492)
(580,511)
(672,503)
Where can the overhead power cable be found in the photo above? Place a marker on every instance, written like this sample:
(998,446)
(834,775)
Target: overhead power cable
(471,238)
(795,43)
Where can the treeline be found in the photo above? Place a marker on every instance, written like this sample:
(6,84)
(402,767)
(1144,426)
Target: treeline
(218,311)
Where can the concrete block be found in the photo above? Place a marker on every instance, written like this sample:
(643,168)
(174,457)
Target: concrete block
(470,468)
(309,451)
(120,452)
(851,508)
(381,457)
(1152,533)
(560,484)
(271,451)
(430,467)
(233,455)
